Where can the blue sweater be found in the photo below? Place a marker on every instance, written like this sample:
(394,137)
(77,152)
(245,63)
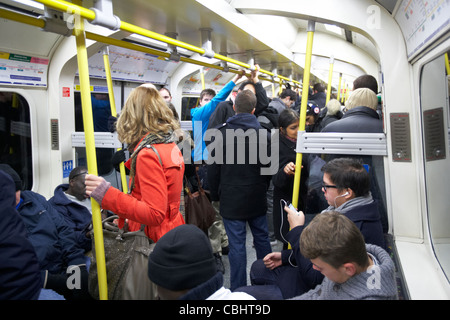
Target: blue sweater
(200,120)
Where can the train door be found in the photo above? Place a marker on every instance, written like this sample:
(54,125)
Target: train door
(434,108)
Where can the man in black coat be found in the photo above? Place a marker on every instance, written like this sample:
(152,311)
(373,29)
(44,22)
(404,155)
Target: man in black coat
(236,180)
(20,277)
(361,116)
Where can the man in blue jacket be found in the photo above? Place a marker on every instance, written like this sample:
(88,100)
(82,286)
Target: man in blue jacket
(200,116)
(19,268)
(54,243)
(71,202)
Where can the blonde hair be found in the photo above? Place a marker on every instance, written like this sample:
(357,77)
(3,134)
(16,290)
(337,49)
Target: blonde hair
(145,111)
(362,97)
(333,107)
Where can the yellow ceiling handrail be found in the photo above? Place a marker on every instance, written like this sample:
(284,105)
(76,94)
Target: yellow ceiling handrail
(68,7)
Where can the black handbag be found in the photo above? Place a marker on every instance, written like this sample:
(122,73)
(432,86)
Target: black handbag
(126,258)
(198,209)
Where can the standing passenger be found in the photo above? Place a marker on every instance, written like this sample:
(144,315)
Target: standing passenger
(200,116)
(283,180)
(146,122)
(285,100)
(240,186)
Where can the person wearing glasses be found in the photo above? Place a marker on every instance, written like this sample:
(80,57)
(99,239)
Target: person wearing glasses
(346,186)
(70,200)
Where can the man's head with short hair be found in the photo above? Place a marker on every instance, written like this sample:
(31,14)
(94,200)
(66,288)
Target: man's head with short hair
(77,187)
(206,96)
(348,173)
(366,81)
(334,239)
(245,102)
(318,87)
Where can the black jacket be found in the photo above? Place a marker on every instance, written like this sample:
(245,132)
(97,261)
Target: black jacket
(284,185)
(238,182)
(20,277)
(225,109)
(358,119)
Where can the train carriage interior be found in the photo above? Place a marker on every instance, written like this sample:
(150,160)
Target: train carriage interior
(188,45)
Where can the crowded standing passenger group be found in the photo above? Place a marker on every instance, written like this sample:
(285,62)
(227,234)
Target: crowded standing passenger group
(156,165)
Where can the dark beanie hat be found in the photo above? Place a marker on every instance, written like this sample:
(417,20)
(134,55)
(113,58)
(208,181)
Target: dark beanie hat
(182,259)
(16,178)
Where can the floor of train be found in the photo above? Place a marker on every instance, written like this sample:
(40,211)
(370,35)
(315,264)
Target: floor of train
(251,257)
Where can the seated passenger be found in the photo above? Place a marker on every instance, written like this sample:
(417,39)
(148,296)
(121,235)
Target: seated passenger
(54,243)
(346,186)
(71,201)
(353,270)
(183,267)
(20,277)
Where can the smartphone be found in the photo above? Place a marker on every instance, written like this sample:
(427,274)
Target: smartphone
(290,206)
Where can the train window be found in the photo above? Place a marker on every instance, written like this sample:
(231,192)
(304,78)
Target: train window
(101,111)
(187,103)
(434,100)
(15,136)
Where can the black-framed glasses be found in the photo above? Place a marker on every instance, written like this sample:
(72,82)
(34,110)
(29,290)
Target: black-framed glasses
(325,186)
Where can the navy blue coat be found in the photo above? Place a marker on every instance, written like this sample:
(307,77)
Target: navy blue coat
(19,268)
(358,119)
(239,185)
(77,216)
(50,235)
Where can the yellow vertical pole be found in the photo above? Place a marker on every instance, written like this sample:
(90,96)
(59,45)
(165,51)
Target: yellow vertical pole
(88,123)
(202,75)
(330,78)
(302,122)
(339,87)
(447,64)
(112,103)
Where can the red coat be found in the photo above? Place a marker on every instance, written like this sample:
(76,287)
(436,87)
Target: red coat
(155,199)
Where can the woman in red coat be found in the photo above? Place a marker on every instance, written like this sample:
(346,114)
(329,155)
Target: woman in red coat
(147,125)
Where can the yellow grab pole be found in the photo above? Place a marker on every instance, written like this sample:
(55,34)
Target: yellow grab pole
(447,64)
(330,78)
(88,123)
(301,127)
(112,103)
(339,87)
(202,75)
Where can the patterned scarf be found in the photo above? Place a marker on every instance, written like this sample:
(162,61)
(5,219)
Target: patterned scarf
(148,142)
